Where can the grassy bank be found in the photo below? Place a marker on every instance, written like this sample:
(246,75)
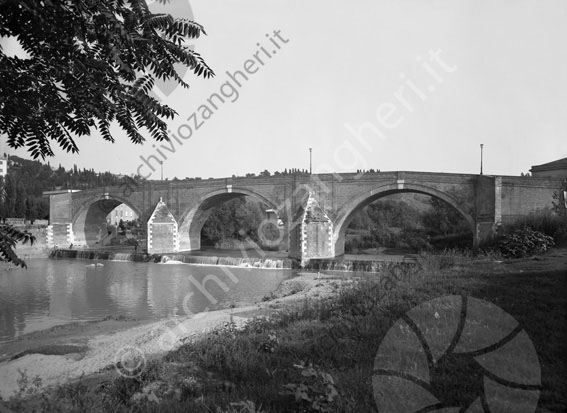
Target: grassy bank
(318,354)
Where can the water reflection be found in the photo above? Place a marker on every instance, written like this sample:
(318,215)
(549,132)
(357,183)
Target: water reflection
(52,292)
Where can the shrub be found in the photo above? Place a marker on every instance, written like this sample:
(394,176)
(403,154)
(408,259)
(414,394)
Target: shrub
(523,242)
(316,391)
(545,221)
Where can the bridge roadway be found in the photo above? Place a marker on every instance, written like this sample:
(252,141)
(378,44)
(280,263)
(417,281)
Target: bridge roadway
(315,209)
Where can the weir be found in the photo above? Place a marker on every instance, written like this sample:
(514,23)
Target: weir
(271,263)
(100,255)
(230,261)
(376,266)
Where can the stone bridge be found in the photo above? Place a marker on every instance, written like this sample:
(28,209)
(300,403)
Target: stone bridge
(315,209)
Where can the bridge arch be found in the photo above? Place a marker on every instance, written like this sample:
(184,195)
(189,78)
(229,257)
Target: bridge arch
(90,219)
(192,220)
(349,210)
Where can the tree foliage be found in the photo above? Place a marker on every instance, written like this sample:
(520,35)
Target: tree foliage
(89,63)
(237,219)
(9,237)
(443,219)
(393,223)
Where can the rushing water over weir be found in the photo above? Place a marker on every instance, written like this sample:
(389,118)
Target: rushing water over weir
(174,258)
(346,265)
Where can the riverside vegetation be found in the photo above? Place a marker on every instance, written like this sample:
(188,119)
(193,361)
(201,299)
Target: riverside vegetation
(317,354)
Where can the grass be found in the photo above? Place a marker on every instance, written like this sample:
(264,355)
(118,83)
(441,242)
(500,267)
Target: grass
(449,258)
(319,355)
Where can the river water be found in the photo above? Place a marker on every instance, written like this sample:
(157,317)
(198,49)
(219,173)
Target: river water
(53,292)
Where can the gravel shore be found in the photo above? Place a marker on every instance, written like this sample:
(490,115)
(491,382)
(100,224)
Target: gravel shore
(68,352)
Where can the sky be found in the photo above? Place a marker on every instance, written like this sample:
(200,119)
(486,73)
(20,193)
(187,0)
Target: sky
(414,85)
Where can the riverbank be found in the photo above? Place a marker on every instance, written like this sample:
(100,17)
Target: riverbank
(317,349)
(37,250)
(69,351)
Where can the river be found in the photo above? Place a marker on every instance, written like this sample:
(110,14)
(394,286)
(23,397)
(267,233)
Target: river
(54,292)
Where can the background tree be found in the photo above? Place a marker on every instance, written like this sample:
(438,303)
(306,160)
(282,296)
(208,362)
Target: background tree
(407,221)
(236,219)
(31,209)
(443,219)
(10,190)
(2,200)
(20,202)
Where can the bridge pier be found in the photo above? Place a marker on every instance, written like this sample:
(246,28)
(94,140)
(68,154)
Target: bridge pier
(313,236)
(59,235)
(162,231)
(60,229)
(488,201)
(484,232)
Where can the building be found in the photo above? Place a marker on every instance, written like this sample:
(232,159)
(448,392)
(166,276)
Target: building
(555,169)
(3,167)
(121,212)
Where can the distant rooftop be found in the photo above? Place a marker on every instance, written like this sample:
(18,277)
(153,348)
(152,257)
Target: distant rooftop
(554,168)
(558,164)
